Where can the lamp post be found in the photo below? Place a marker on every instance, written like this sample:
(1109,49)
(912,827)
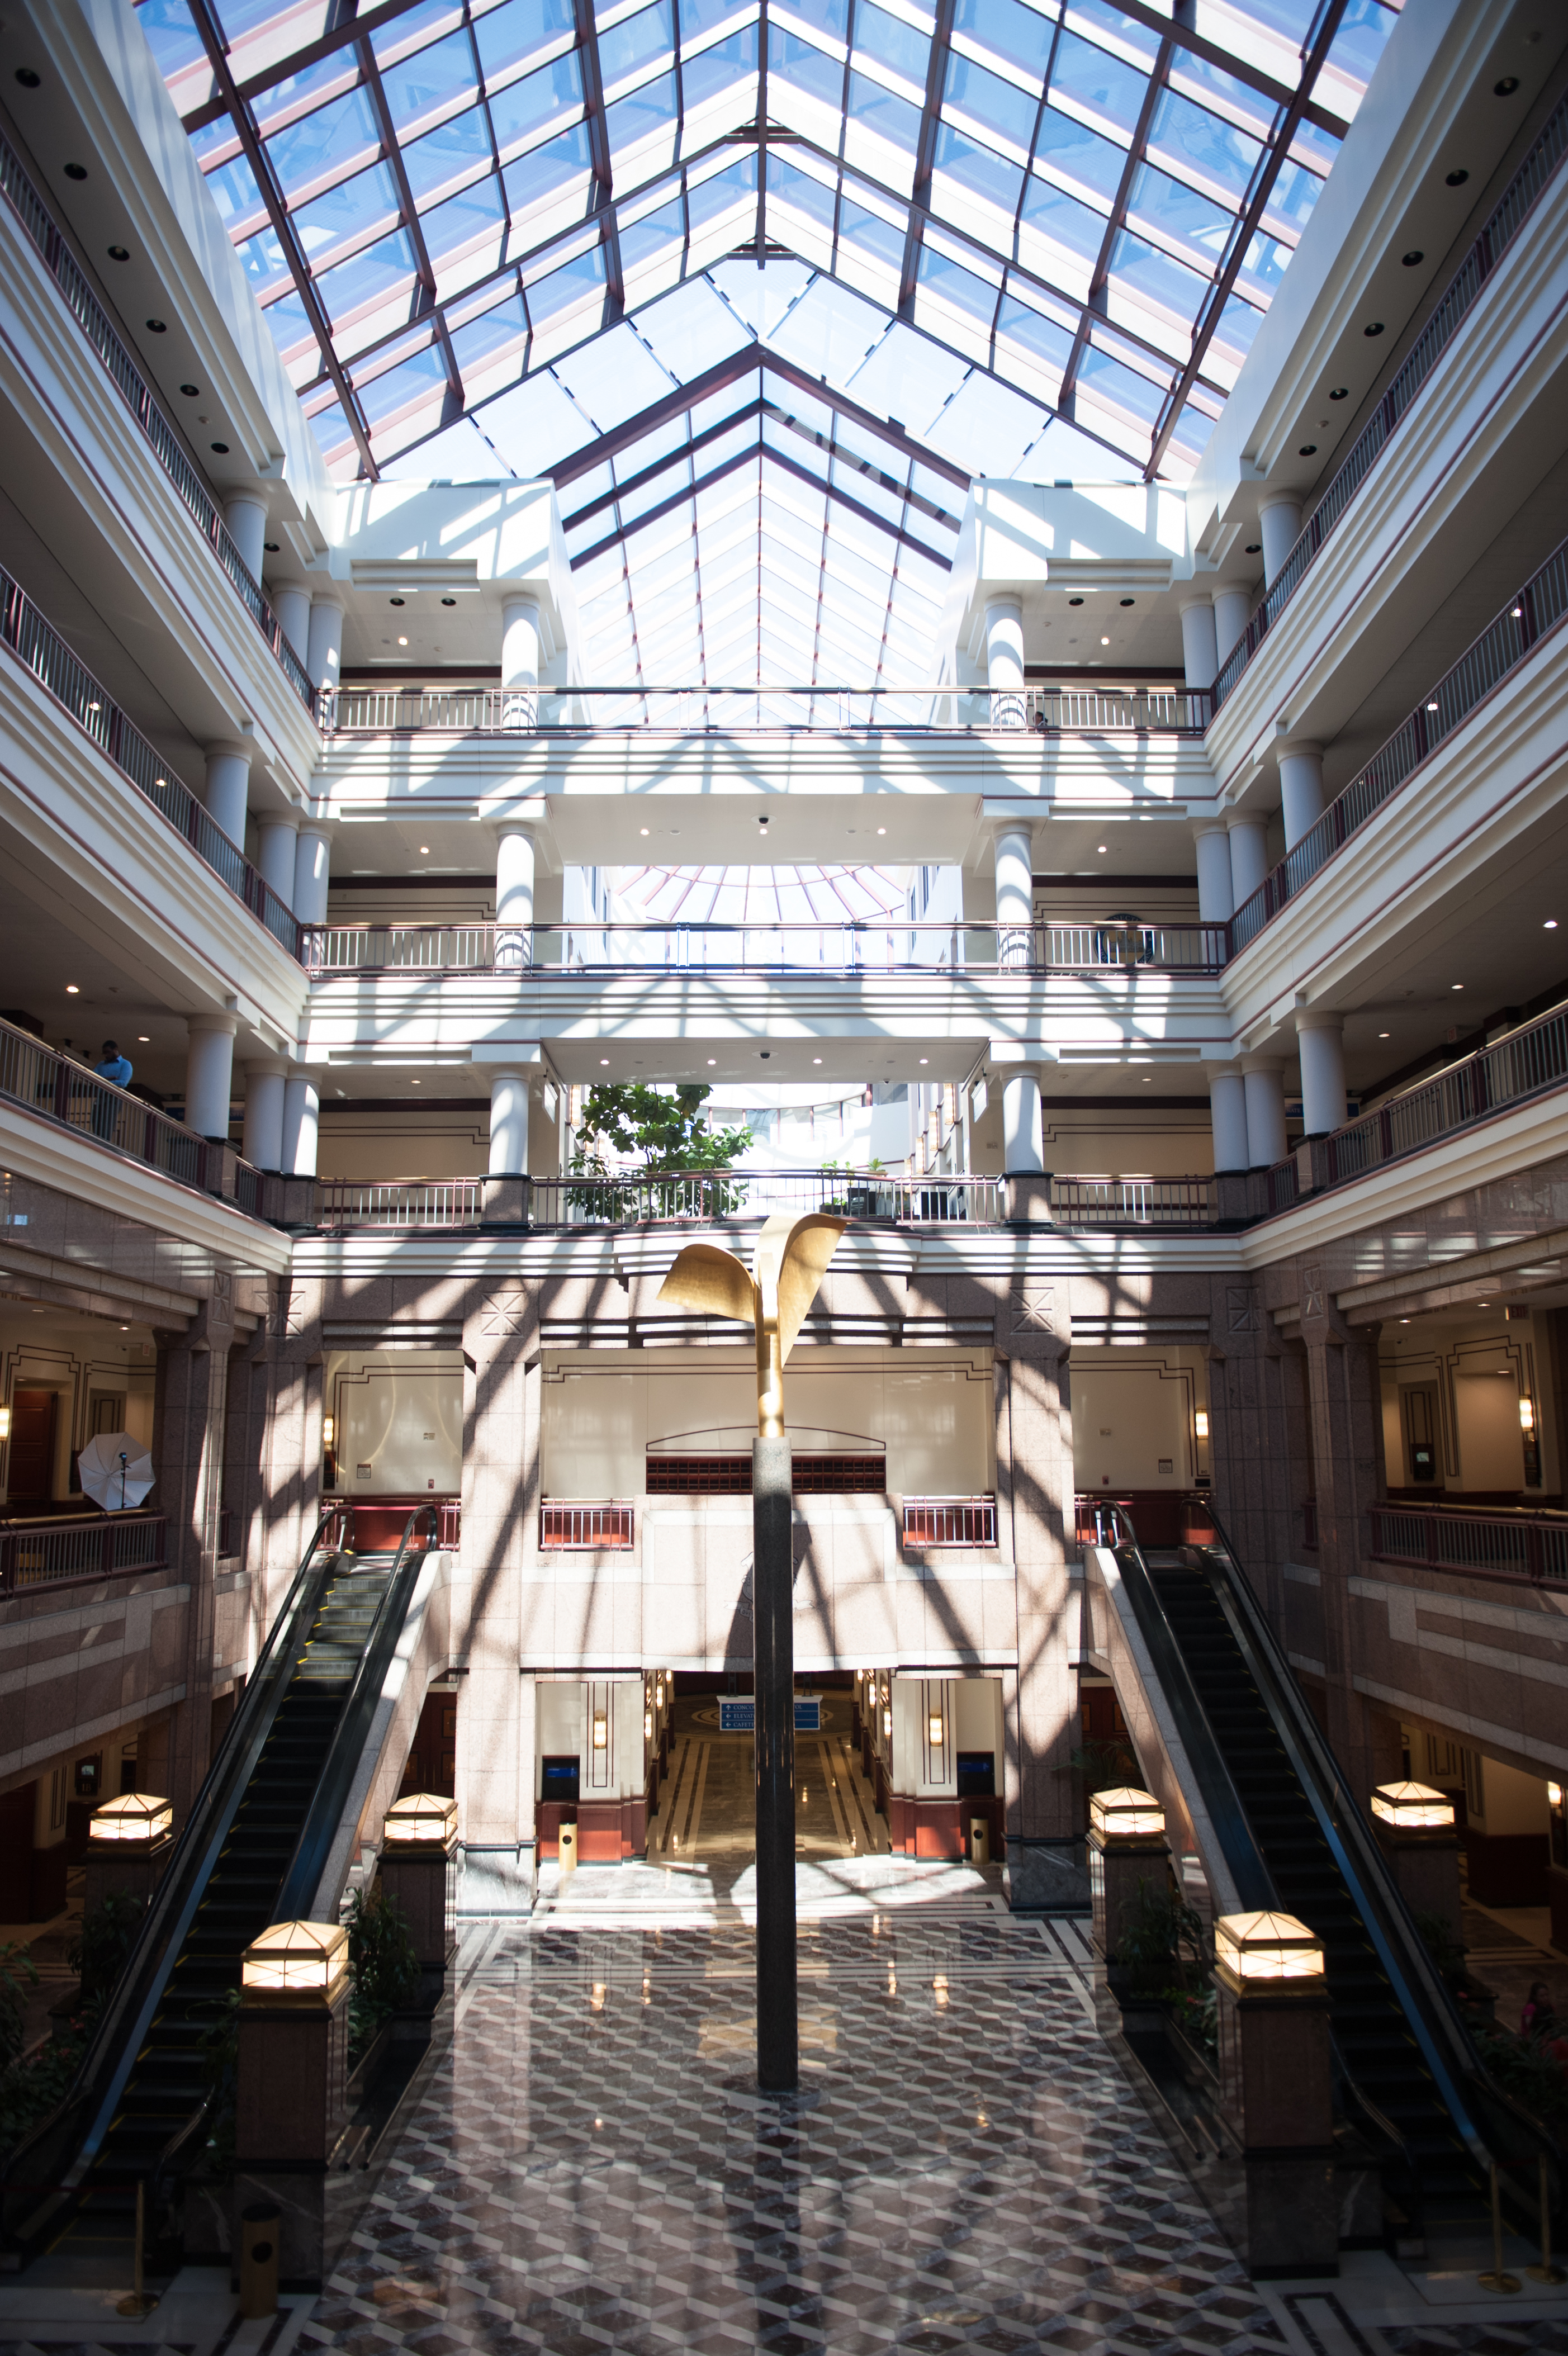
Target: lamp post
(1416,1826)
(773,1297)
(129,1842)
(1277,2089)
(1127,1848)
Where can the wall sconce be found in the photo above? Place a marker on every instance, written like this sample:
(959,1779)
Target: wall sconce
(297,1959)
(1201,1422)
(4,1423)
(1554,1795)
(329,1432)
(134,1817)
(1412,1808)
(1527,1415)
(1125,1813)
(601,1730)
(934,1729)
(647,1725)
(887,1726)
(1248,1947)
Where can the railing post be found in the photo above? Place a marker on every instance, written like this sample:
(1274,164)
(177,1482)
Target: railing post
(62,1091)
(1533,1552)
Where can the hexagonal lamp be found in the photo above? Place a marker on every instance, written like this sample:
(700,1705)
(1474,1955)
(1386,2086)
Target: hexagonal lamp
(1126,1814)
(1412,1808)
(1251,1949)
(421,1820)
(134,1817)
(295,1961)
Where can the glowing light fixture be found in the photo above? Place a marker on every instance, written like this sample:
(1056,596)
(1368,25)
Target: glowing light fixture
(135,1817)
(1125,1813)
(1527,1415)
(308,1960)
(1266,1946)
(887,1726)
(329,1431)
(1201,1422)
(647,1725)
(4,1423)
(1554,1795)
(934,1729)
(601,1730)
(1414,1808)
(421,1820)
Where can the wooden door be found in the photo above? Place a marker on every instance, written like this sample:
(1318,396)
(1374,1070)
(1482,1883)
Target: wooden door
(31,1466)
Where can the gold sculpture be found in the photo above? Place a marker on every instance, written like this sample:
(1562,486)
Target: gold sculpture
(792,1255)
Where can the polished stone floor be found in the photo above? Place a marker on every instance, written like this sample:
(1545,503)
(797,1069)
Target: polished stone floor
(965,2168)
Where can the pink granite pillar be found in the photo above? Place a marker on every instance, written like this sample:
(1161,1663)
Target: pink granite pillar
(1035,1520)
(190,1413)
(1347,1420)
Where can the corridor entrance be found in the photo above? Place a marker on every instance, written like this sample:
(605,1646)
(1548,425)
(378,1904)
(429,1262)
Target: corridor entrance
(706,1812)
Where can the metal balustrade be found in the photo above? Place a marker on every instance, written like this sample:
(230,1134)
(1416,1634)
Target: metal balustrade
(1085,1201)
(1528,1063)
(1473,1545)
(41,651)
(79,1548)
(65,1092)
(160,436)
(1513,634)
(547,952)
(1507,219)
(950,1521)
(685,710)
(583,1524)
(399,1202)
(625,1199)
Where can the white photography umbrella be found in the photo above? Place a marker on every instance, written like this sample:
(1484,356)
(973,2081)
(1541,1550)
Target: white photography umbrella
(116,1471)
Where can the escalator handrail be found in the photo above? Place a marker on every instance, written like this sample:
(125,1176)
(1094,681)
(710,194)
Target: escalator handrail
(1243,1853)
(311,1851)
(53,2157)
(1435,2022)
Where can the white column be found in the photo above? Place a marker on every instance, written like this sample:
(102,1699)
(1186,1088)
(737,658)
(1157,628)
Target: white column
(301,1121)
(1198,654)
(514,899)
(210,1073)
(1301,790)
(1015,856)
(292,606)
(228,790)
(520,662)
(1264,1078)
(1279,519)
(509,1120)
(277,842)
(247,522)
(312,874)
(1005,661)
(1021,1137)
(264,1077)
(323,655)
(1249,857)
(1320,1036)
(1232,610)
(1212,845)
(1227,1113)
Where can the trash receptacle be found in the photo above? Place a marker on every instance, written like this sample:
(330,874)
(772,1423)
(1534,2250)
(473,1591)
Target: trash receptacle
(259,2227)
(979,1840)
(569,1848)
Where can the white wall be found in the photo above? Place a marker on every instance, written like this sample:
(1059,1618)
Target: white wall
(1133,1418)
(399,1418)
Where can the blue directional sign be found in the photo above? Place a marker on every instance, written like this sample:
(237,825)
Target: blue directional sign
(740,1716)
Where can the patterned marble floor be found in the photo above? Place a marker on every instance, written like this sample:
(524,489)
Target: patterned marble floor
(591,2169)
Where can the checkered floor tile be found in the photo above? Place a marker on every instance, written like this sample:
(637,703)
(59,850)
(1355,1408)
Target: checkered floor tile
(591,2169)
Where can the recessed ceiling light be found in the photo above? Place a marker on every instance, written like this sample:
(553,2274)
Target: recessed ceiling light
(1375,327)
(119,253)
(414,1084)
(643,829)
(26,76)
(1504,89)
(142,1040)
(424,850)
(221,447)
(712,1061)
(1411,259)
(816,1059)
(1385,1035)
(1129,601)
(1456,985)
(403,642)
(448,601)
(1075,601)
(882,829)
(72,990)
(191,392)
(1105,642)
(604,1059)
(925,1059)
(78,171)
(157,326)
(397,601)
(1146,1078)
(1457,179)
(1340,392)
(1307,450)
(1550,926)
(1101,848)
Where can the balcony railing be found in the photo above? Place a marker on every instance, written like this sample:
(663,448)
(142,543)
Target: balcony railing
(1083,1201)
(161,438)
(399,1202)
(70,1551)
(566,952)
(1515,1546)
(66,1093)
(1528,1063)
(1539,607)
(1507,218)
(949,1521)
(583,1525)
(727,711)
(42,651)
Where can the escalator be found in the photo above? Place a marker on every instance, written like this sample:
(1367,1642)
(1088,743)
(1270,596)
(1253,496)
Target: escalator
(252,1853)
(1293,1837)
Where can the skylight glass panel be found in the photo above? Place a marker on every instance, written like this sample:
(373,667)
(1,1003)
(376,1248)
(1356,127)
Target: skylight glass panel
(804,66)
(1020,34)
(547,172)
(325,145)
(989,104)
(523,108)
(350,213)
(890,41)
(964,171)
(716,73)
(507,36)
(456,151)
(1079,157)
(1198,146)
(432,79)
(235,193)
(1107,91)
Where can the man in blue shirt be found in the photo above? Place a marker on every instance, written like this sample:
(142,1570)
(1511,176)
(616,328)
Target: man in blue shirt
(112,1066)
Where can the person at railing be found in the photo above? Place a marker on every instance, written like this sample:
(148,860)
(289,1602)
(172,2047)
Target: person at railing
(115,1066)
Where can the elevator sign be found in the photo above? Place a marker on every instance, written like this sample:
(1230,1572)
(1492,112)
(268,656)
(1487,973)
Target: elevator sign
(740,1716)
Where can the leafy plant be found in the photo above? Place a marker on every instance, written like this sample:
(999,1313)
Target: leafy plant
(1527,2070)
(1163,1946)
(666,1127)
(103,1945)
(30,2088)
(1446,1952)
(18,1973)
(1104,1764)
(385,1967)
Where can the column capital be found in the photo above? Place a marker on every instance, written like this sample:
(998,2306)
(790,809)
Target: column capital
(327,594)
(1281,497)
(1193,596)
(261,1068)
(1216,825)
(1263,1064)
(215,1022)
(1231,1071)
(1318,1018)
(1302,747)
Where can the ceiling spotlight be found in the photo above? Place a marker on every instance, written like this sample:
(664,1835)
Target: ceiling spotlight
(604,1060)
(1385,1035)
(767,1054)
(643,830)
(397,601)
(1105,642)
(712,1061)
(1129,601)
(72,990)
(414,1084)
(1253,548)
(448,601)
(403,642)
(1101,848)
(1307,450)
(925,1059)
(882,829)
(1411,259)
(1457,179)
(1075,601)
(1456,985)
(1550,926)
(817,1059)
(1340,392)
(142,1040)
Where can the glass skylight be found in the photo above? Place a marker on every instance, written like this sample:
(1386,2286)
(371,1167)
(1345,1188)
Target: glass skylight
(1025,235)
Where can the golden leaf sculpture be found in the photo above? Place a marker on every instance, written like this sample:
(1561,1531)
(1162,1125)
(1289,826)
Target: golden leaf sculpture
(773,1296)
